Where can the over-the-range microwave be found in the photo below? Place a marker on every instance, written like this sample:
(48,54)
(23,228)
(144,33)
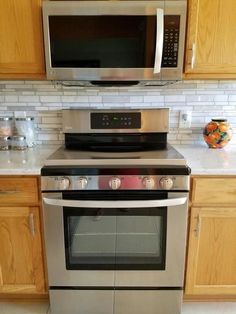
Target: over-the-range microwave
(114,40)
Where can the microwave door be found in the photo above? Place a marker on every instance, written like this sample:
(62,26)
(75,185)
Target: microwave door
(159,40)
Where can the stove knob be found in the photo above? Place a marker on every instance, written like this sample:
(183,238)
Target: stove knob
(82,183)
(148,182)
(63,183)
(114,183)
(166,183)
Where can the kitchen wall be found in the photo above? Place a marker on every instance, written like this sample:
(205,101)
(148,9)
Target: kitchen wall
(45,99)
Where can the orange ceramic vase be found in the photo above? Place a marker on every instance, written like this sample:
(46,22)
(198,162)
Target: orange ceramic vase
(217,133)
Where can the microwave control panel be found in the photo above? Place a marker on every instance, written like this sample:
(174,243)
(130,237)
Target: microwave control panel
(171,41)
(115,120)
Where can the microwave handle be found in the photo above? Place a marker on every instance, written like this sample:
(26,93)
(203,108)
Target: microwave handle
(116,204)
(159,40)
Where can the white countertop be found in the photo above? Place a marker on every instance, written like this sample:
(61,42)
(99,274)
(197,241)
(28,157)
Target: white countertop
(201,159)
(27,162)
(209,161)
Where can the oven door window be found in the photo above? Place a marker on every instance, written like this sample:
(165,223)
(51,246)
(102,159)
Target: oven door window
(114,238)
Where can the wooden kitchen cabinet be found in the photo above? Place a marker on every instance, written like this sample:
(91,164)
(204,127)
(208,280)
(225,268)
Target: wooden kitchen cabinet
(211,259)
(211,45)
(21,252)
(21,39)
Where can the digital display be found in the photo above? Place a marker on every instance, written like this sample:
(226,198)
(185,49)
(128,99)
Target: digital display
(116,120)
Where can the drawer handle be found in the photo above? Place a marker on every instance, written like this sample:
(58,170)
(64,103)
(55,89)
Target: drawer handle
(193,59)
(31,224)
(5,192)
(196,230)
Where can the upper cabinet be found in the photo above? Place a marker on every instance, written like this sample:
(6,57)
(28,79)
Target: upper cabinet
(211,44)
(21,39)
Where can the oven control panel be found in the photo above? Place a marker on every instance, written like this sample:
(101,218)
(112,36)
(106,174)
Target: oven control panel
(115,120)
(120,182)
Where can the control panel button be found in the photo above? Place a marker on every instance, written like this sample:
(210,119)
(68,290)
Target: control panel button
(82,183)
(148,183)
(115,183)
(166,183)
(63,183)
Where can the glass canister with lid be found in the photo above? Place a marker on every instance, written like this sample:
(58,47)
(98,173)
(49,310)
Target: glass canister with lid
(25,127)
(4,142)
(6,126)
(18,142)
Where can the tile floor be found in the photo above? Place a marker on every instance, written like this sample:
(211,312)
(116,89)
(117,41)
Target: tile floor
(188,308)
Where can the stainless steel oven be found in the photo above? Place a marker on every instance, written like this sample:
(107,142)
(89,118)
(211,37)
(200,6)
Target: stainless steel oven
(115,223)
(119,242)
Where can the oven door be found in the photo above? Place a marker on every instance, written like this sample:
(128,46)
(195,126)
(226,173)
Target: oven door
(110,239)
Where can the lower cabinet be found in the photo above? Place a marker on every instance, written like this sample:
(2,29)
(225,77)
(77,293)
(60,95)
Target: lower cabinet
(21,253)
(211,259)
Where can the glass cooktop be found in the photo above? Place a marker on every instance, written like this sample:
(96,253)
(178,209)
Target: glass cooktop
(64,157)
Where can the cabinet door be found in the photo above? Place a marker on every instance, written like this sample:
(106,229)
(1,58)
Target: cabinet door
(21,262)
(211,44)
(21,39)
(211,264)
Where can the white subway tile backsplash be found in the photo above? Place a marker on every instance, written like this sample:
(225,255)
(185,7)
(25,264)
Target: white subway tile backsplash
(47,137)
(115,99)
(154,99)
(95,99)
(175,98)
(45,99)
(28,98)
(232,97)
(135,99)
(76,99)
(9,98)
(53,120)
(50,99)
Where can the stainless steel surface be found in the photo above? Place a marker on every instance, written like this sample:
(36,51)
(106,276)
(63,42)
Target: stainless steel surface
(82,301)
(148,302)
(113,8)
(175,251)
(173,275)
(57,201)
(159,40)
(118,302)
(127,182)
(78,120)
(54,241)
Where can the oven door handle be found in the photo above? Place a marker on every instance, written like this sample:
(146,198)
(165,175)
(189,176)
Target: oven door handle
(116,204)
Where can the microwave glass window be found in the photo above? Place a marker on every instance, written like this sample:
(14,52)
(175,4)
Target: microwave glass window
(125,41)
